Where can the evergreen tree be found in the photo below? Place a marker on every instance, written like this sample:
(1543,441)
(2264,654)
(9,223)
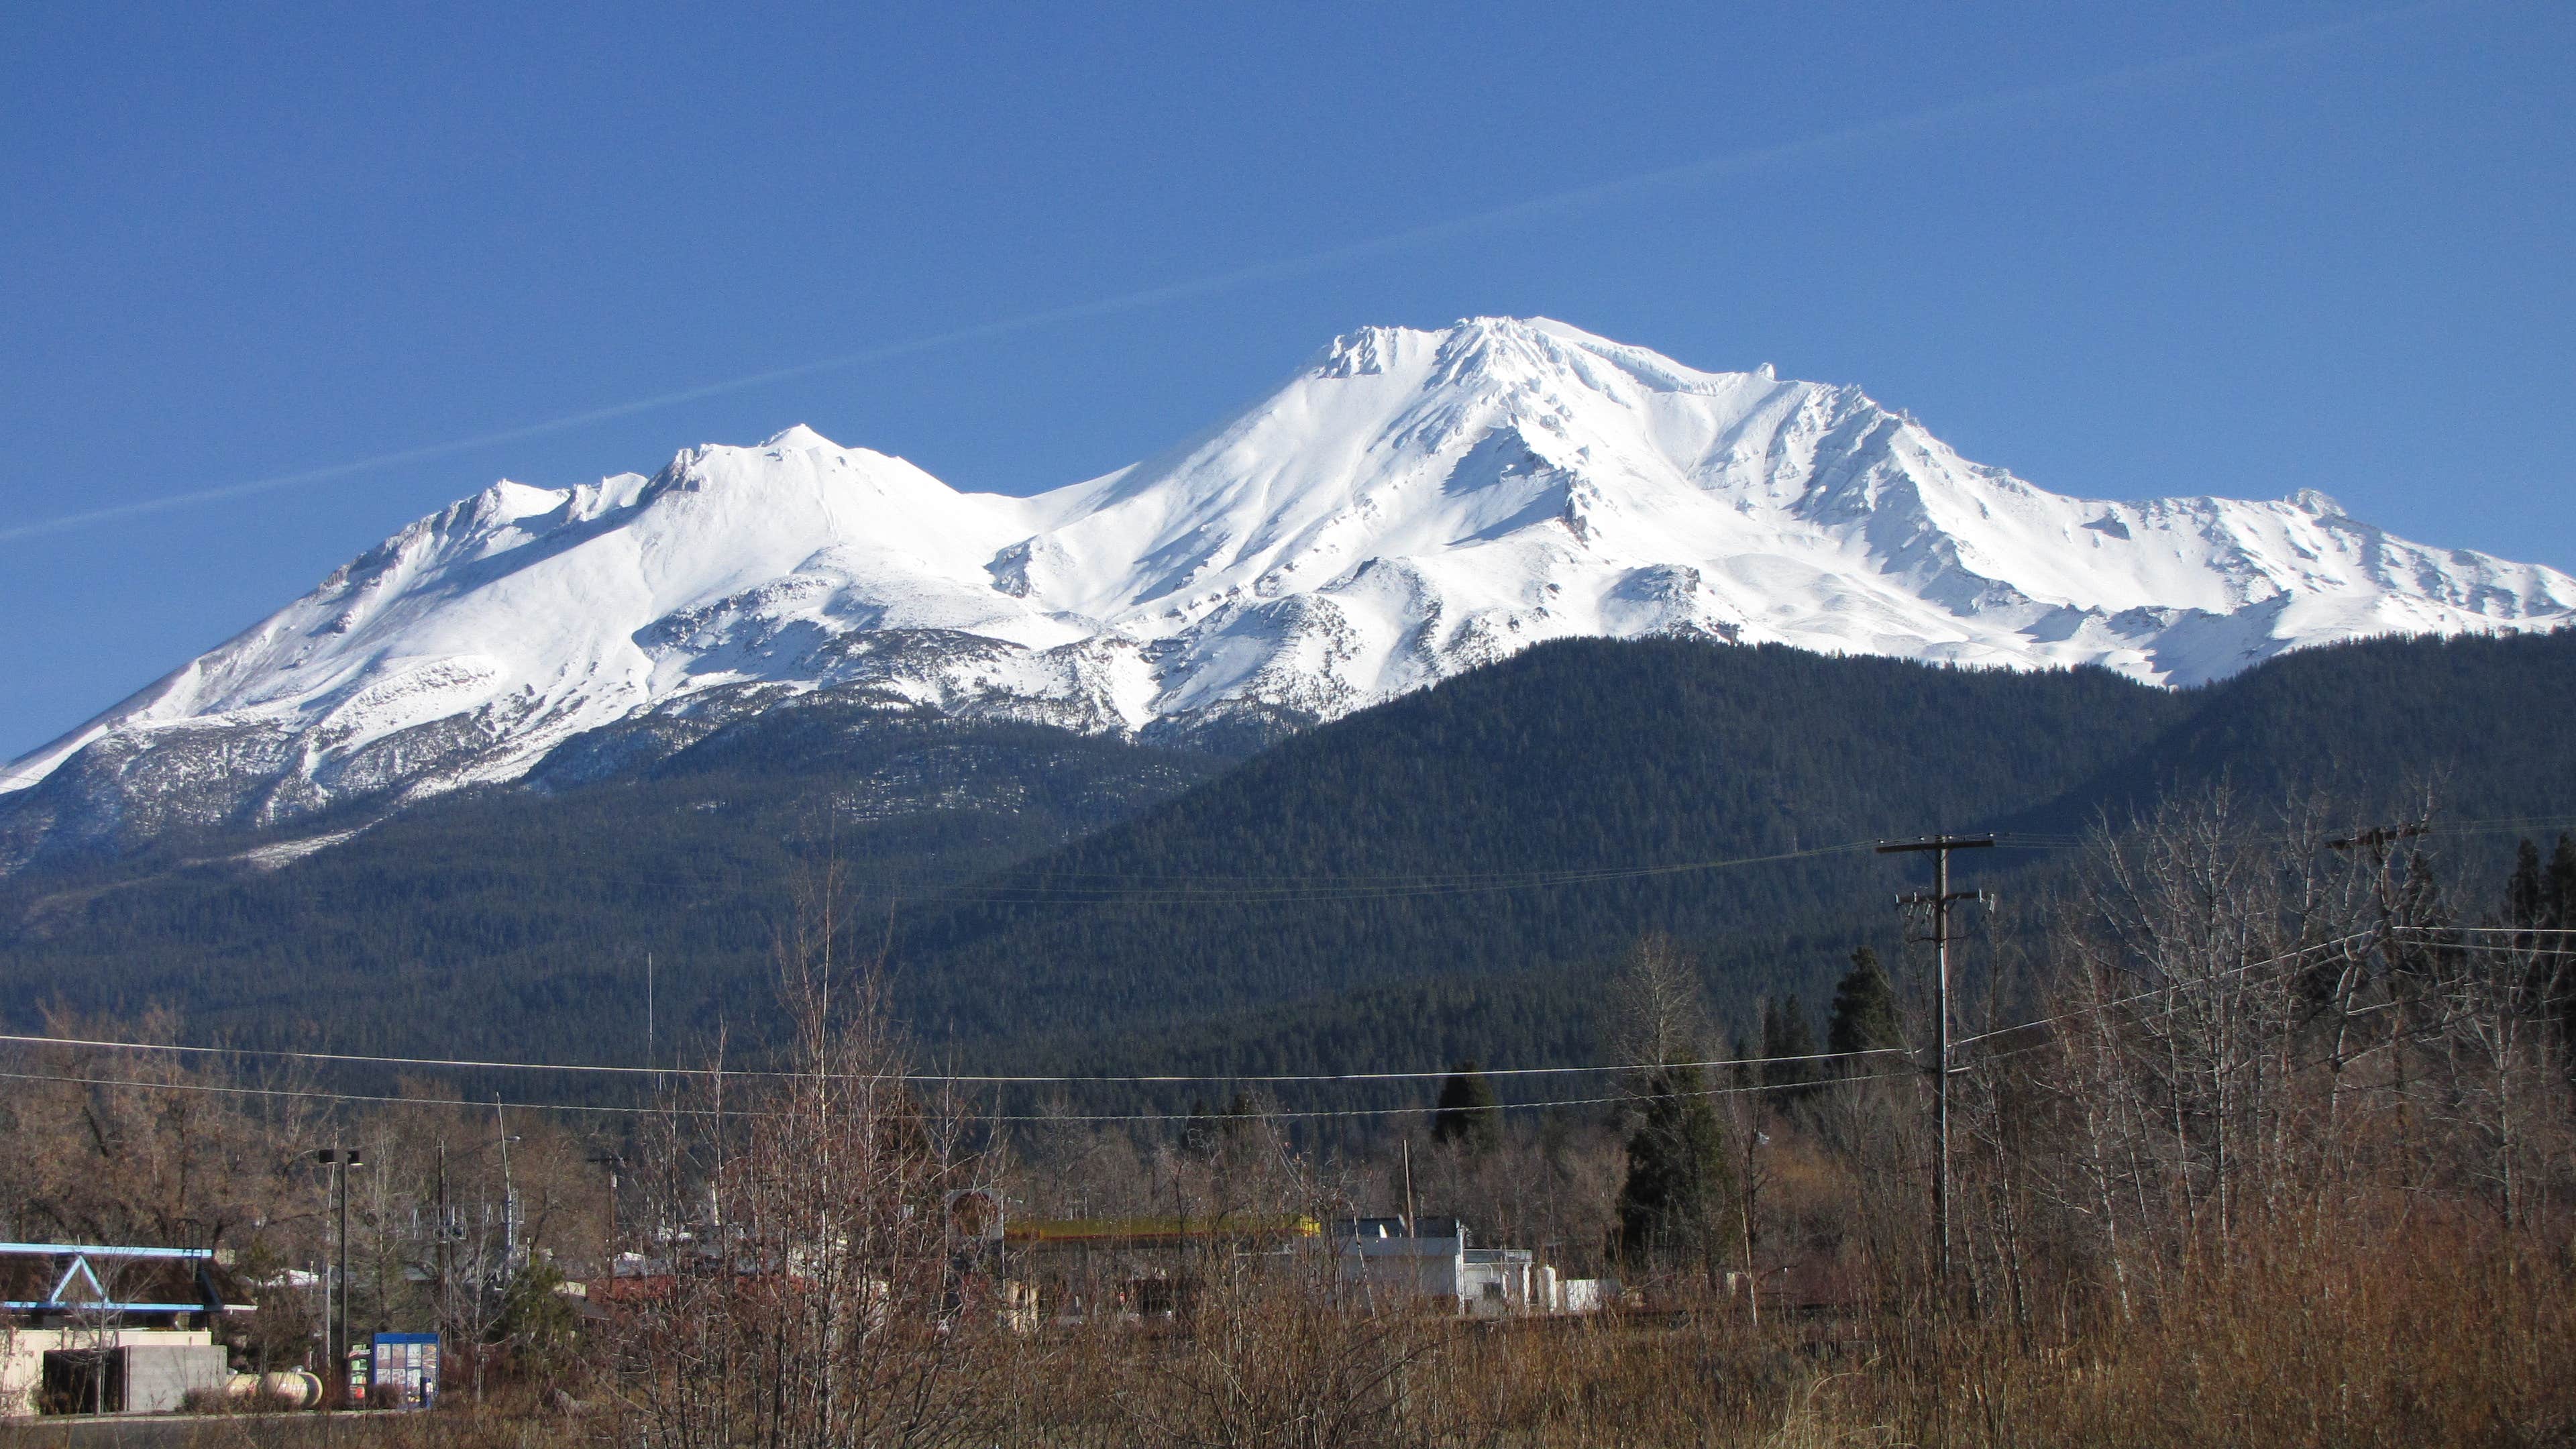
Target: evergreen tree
(1470,1115)
(2523,890)
(2557,911)
(1864,1016)
(1235,1135)
(489,917)
(1672,1208)
(1199,1133)
(2558,887)
(537,1320)
(1785,1033)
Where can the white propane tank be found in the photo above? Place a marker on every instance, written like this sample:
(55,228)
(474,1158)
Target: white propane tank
(293,1389)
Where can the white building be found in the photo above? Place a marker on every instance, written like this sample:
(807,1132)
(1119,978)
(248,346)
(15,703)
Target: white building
(1431,1258)
(132,1370)
(108,1329)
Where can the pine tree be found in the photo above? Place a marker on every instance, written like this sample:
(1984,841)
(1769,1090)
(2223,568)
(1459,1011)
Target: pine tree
(1672,1206)
(2523,903)
(1785,1034)
(1237,1129)
(2558,887)
(2558,912)
(1199,1132)
(1470,1115)
(1864,1016)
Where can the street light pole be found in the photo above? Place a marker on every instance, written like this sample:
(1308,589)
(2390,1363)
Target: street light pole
(446,1238)
(335,1278)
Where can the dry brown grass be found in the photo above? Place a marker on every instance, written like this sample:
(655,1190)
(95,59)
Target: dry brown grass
(2423,1331)
(2329,1207)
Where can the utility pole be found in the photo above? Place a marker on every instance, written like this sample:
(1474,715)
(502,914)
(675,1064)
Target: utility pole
(1408,1187)
(450,1316)
(446,1242)
(335,1304)
(509,1194)
(615,1163)
(1940,900)
(2379,843)
(330,1157)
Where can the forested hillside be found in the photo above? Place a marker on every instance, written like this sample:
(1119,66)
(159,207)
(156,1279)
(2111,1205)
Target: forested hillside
(1451,874)
(1586,755)
(2486,724)
(1341,848)
(520,921)
(1672,752)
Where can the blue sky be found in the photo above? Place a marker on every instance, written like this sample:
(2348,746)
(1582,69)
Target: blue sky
(2122,250)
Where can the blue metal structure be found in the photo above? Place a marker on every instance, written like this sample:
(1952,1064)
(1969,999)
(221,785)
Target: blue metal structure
(76,1267)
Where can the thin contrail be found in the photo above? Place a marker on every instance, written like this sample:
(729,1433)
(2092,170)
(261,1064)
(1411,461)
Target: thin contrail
(1687,174)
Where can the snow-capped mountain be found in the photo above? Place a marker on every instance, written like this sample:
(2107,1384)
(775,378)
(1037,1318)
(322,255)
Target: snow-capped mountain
(1409,505)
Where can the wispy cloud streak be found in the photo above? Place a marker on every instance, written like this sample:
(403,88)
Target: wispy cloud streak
(1690,174)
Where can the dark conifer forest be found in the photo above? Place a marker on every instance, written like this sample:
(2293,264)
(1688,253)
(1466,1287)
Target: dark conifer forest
(1448,876)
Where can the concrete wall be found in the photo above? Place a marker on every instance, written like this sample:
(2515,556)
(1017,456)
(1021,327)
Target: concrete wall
(1476,1282)
(172,1361)
(160,1376)
(1420,1267)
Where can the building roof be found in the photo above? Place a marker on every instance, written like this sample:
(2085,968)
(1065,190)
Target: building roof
(1152,1230)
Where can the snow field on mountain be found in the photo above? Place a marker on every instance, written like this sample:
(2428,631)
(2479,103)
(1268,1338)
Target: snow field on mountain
(1411,504)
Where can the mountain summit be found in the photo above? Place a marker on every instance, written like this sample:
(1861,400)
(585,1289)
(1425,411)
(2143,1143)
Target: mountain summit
(1409,505)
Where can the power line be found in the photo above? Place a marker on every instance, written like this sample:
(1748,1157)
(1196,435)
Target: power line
(1020,886)
(1212,1078)
(2365,936)
(1026,886)
(1252,890)
(945,1078)
(1082,888)
(1738,1090)
(232,1089)
(2497,930)
(2170,987)
(1986,1059)
(1037,1118)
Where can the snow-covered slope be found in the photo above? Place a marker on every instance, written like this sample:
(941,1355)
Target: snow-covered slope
(1409,505)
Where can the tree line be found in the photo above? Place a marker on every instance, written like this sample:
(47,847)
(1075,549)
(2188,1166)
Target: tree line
(527,918)
(2262,1059)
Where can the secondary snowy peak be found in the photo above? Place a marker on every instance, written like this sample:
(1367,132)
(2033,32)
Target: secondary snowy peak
(475,640)
(1408,505)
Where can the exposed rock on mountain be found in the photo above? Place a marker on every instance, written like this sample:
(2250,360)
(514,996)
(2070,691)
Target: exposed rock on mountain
(1409,505)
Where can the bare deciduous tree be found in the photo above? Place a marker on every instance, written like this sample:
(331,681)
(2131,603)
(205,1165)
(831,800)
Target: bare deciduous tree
(802,1284)
(150,1148)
